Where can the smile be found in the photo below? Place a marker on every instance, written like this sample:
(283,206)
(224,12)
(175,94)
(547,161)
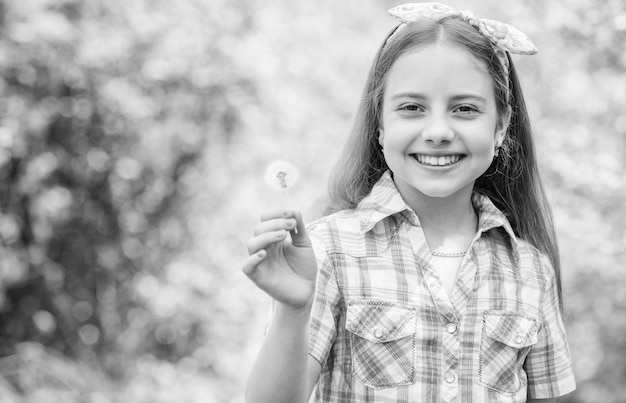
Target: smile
(437,161)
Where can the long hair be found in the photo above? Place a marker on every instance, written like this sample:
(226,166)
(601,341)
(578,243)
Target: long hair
(512,181)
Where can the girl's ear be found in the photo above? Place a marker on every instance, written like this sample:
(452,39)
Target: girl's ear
(503,126)
(381,138)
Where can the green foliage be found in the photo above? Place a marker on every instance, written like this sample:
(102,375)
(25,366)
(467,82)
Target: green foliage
(132,139)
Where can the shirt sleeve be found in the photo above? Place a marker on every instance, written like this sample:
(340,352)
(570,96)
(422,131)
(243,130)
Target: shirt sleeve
(323,323)
(549,363)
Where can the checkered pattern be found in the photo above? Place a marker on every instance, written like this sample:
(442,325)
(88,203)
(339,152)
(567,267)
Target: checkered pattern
(382,334)
(385,330)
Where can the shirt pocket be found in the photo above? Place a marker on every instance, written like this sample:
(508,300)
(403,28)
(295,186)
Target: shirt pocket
(382,342)
(507,337)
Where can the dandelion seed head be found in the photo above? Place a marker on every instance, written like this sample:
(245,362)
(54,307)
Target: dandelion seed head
(281,175)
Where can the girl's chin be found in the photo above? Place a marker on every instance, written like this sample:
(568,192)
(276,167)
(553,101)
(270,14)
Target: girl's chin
(437,191)
(441,193)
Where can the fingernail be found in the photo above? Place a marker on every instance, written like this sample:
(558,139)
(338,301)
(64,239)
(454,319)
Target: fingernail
(280,234)
(261,254)
(286,213)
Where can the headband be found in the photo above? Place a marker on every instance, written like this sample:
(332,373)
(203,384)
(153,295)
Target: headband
(504,37)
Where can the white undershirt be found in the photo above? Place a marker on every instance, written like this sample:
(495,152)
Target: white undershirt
(447,268)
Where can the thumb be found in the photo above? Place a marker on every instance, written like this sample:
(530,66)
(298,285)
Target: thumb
(299,236)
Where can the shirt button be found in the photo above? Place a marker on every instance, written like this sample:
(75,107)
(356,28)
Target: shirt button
(451,328)
(380,333)
(519,338)
(450,377)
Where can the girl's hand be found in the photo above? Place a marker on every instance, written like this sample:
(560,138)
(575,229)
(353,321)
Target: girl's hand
(284,269)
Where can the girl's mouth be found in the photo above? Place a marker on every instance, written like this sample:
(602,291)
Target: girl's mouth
(438,161)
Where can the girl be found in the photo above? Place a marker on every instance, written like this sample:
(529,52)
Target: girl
(436,277)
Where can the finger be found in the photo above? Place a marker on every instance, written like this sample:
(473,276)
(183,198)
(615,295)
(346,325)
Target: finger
(265,240)
(276,224)
(252,263)
(299,236)
(277,213)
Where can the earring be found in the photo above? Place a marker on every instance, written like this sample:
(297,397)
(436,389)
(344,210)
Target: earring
(496,152)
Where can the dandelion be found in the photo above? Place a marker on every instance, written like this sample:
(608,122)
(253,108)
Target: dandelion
(281,175)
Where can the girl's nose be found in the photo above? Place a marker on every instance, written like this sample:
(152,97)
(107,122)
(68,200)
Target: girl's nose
(438,130)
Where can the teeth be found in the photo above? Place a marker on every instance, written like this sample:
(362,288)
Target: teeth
(437,161)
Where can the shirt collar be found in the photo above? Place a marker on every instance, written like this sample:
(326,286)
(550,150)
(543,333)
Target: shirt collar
(384,201)
(489,216)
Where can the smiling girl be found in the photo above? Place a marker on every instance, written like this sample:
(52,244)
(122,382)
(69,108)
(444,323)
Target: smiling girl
(435,275)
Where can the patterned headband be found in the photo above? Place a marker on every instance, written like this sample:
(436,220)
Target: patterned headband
(504,37)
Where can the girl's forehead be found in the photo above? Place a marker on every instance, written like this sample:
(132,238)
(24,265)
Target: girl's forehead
(439,67)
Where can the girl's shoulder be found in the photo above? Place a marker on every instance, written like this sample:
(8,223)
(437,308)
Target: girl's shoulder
(324,231)
(344,221)
(349,232)
(527,259)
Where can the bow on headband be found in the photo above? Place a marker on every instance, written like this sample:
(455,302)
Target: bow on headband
(500,34)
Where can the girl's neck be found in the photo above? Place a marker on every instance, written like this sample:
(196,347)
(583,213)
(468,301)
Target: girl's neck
(447,222)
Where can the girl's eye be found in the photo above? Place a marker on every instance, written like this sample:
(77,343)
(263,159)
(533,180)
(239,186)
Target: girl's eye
(466,109)
(411,108)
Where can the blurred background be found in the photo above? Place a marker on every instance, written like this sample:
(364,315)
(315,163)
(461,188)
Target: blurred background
(133,139)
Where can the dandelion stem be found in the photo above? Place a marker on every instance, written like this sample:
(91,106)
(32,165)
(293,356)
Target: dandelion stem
(288,198)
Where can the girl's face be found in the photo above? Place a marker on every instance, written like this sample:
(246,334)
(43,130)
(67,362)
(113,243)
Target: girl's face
(439,122)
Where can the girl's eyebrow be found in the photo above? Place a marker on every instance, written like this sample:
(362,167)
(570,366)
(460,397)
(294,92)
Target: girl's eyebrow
(474,97)
(455,98)
(414,95)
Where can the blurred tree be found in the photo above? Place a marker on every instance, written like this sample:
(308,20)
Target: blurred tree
(106,109)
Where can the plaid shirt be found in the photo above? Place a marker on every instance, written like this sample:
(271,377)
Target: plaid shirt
(385,330)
